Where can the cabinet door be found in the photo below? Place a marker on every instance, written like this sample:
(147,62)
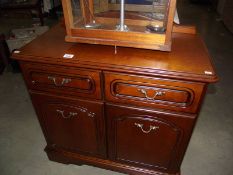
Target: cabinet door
(74,125)
(150,139)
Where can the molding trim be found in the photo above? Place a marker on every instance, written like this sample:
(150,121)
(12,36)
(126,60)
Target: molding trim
(66,157)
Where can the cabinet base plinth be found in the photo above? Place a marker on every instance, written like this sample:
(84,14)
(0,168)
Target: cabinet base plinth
(66,157)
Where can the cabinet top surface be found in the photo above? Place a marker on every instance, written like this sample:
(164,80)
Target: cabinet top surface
(188,59)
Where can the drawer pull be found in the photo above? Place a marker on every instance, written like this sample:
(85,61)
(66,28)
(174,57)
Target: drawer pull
(157,94)
(91,114)
(64,81)
(147,132)
(71,114)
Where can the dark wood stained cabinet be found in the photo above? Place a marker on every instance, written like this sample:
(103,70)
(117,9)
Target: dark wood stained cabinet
(132,112)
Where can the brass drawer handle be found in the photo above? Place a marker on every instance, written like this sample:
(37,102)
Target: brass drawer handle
(157,94)
(144,131)
(64,81)
(71,114)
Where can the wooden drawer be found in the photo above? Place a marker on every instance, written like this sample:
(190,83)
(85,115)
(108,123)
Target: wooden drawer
(153,92)
(63,80)
(148,138)
(71,124)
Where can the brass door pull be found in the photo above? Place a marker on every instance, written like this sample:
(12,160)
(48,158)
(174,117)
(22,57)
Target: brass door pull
(144,131)
(71,114)
(157,94)
(63,82)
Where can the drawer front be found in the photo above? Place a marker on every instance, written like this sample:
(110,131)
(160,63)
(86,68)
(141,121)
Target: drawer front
(153,92)
(149,139)
(65,80)
(73,125)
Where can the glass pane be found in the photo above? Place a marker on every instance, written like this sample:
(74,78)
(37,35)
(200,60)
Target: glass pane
(139,15)
(76,10)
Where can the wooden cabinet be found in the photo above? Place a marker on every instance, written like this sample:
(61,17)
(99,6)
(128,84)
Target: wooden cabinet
(132,112)
(140,24)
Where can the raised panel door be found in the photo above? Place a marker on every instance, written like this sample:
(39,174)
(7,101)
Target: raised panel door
(73,125)
(150,139)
